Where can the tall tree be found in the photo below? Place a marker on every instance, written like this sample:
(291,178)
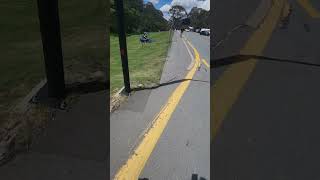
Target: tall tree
(139,17)
(199,18)
(177,13)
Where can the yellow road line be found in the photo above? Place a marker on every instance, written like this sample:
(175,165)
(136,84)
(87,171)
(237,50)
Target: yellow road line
(205,63)
(228,87)
(135,164)
(203,60)
(313,12)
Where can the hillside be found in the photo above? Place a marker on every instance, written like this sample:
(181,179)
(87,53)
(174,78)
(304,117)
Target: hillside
(199,17)
(139,17)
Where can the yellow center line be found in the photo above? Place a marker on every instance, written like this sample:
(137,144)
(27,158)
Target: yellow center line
(205,63)
(135,164)
(306,4)
(227,88)
(203,60)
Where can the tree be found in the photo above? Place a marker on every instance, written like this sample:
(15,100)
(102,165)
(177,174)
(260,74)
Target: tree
(177,13)
(139,17)
(199,18)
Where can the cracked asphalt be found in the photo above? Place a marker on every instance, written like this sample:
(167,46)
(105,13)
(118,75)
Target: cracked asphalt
(271,130)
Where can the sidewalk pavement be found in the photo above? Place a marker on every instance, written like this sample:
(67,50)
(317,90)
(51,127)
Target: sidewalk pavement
(74,145)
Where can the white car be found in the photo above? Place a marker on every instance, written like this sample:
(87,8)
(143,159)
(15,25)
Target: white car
(205,32)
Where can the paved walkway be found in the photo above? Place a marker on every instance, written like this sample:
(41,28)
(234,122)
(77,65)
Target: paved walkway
(183,147)
(73,147)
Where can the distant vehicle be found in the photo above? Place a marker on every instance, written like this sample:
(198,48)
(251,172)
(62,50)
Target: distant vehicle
(197,30)
(205,32)
(187,30)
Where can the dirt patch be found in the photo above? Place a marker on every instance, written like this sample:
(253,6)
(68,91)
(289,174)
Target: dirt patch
(116,101)
(19,129)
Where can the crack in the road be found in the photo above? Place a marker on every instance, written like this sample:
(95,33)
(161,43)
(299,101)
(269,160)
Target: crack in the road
(228,34)
(244,25)
(244,57)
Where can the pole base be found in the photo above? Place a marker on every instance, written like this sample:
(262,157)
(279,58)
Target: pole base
(42,97)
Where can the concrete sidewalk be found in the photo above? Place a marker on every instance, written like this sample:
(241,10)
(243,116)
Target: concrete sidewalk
(74,145)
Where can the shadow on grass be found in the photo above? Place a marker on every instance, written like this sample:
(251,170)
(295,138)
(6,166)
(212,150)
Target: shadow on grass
(165,84)
(75,89)
(87,87)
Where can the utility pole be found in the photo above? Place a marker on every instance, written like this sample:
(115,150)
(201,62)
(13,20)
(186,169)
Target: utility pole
(51,42)
(123,45)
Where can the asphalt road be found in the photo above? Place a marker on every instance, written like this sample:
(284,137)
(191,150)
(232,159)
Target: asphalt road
(271,130)
(183,147)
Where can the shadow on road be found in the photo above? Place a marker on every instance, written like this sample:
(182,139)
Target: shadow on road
(193,177)
(167,83)
(239,58)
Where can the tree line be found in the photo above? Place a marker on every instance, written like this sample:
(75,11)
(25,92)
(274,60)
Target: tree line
(140,17)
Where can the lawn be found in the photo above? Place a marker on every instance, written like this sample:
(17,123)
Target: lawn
(145,62)
(84,42)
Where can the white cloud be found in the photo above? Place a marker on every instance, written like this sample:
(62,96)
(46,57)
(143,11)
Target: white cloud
(154,2)
(165,8)
(187,4)
(166,16)
(205,5)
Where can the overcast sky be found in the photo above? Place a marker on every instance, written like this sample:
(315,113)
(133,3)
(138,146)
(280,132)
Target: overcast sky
(165,5)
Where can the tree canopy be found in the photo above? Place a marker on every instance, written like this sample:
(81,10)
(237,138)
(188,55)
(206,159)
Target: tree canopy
(199,18)
(179,18)
(139,17)
(177,14)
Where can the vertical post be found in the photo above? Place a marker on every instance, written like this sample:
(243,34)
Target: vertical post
(51,42)
(123,45)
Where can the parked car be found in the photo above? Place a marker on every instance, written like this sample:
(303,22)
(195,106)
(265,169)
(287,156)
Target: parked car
(205,32)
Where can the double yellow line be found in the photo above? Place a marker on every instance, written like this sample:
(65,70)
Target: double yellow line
(313,12)
(227,88)
(135,164)
(205,63)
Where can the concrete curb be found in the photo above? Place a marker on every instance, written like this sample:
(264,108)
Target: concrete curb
(23,105)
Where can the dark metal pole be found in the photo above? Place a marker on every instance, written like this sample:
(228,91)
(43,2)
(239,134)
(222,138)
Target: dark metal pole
(51,42)
(123,45)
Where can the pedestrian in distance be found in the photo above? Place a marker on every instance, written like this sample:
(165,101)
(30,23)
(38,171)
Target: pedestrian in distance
(181,31)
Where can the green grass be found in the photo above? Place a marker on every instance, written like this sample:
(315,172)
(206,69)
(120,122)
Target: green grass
(145,62)
(84,41)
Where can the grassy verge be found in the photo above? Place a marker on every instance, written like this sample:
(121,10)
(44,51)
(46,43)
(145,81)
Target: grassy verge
(145,62)
(84,41)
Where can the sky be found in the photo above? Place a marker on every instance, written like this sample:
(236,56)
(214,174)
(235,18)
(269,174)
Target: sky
(165,5)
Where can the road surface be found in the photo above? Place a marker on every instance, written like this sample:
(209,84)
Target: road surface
(182,148)
(265,109)
(72,146)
